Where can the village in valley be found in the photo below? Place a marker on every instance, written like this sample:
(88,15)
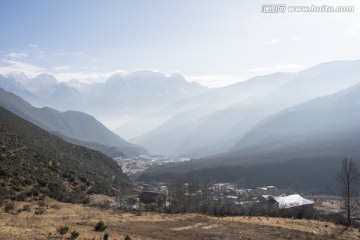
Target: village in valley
(138,164)
(226,199)
(181,195)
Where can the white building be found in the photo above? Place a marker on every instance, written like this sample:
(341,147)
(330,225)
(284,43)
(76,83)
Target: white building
(221,188)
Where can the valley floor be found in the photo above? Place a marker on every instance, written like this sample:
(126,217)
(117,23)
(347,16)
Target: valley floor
(28,225)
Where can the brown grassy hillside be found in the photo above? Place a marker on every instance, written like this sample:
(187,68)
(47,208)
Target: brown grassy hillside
(27,225)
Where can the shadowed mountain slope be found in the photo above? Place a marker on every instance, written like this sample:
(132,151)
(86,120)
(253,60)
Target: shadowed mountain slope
(72,124)
(34,161)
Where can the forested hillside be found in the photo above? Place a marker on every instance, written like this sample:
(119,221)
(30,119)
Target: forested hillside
(34,161)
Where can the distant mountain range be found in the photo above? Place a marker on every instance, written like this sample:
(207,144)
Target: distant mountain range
(301,146)
(119,99)
(35,162)
(290,123)
(170,116)
(214,122)
(73,126)
(327,119)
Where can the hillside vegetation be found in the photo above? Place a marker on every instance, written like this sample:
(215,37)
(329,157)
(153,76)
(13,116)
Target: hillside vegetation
(34,161)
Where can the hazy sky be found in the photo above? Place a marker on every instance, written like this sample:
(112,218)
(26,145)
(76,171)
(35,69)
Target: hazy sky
(213,42)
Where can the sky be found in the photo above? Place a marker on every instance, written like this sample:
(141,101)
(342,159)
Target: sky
(213,42)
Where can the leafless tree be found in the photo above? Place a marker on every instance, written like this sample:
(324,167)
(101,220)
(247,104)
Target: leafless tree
(348,176)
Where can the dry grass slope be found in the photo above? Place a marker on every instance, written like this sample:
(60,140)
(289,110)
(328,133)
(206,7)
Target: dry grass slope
(27,225)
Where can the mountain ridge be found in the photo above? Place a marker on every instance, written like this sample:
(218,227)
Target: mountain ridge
(72,124)
(220,129)
(303,144)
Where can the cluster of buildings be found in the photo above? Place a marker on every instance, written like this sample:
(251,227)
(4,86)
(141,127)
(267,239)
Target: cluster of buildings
(219,193)
(230,189)
(141,163)
(228,194)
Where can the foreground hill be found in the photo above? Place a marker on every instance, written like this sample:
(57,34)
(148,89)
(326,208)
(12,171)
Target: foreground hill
(26,225)
(34,161)
(300,147)
(79,128)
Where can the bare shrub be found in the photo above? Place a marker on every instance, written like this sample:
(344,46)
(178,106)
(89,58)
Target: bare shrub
(104,204)
(74,235)
(56,206)
(62,230)
(26,208)
(39,210)
(100,227)
(21,196)
(42,203)
(9,206)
